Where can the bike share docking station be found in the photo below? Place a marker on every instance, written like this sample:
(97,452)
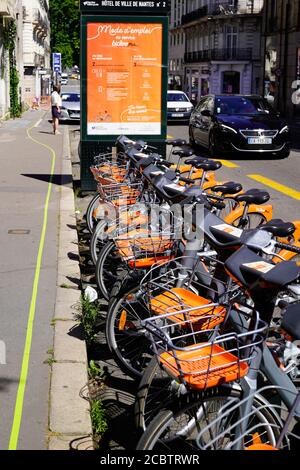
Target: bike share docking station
(124,76)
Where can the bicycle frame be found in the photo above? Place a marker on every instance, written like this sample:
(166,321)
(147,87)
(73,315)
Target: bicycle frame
(265,362)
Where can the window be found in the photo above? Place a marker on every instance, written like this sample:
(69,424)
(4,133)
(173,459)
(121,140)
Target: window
(231,39)
(71,98)
(242,106)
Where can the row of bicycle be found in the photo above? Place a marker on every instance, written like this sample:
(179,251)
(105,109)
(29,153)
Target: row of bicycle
(204,293)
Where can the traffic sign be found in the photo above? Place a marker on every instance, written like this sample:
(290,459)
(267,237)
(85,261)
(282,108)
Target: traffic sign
(56,62)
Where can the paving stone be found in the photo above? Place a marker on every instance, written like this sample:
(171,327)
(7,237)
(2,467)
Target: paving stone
(69,344)
(69,414)
(67,303)
(66,442)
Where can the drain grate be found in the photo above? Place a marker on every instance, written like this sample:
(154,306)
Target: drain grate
(19,231)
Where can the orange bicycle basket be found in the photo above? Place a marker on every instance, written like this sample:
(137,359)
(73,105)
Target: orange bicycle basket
(206,367)
(182,300)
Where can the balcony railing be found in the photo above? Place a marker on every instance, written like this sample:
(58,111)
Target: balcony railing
(195,15)
(218,55)
(39,60)
(225,8)
(41,21)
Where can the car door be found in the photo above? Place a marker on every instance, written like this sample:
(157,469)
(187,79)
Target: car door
(206,120)
(196,121)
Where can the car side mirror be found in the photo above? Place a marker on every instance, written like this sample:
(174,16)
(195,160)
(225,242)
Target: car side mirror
(206,113)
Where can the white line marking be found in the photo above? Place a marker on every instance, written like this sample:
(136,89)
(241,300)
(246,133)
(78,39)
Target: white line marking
(38,123)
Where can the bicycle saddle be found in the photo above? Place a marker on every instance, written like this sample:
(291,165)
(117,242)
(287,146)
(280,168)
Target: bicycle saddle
(228,188)
(184,152)
(195,160)
(176,142)
(253,196)
(206,165)
(253,271)
(279,228)
(291,320)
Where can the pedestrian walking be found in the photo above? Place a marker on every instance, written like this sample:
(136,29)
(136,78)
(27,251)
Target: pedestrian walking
(56,104)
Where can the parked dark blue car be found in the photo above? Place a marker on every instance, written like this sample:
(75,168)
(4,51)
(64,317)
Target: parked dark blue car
(236,123)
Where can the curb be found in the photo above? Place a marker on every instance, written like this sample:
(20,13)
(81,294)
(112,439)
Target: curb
(69,412)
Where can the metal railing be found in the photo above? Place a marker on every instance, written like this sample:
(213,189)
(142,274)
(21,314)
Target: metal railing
(224,8)
(41,21)
(195,15)
(218,54)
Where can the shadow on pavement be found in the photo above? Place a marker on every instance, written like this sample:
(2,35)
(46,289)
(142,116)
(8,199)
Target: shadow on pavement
(73,256)
(5,383)
(60,180)
(74,280)
(77,332)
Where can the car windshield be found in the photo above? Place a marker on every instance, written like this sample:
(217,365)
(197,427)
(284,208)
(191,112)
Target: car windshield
(241,105)
(177,97)
(74,97)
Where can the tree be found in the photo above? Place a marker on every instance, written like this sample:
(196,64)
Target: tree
(65,30)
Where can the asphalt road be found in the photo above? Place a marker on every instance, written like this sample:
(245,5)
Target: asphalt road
(25,169)
(251,173)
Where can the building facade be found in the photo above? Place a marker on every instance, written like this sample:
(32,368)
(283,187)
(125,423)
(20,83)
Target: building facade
(222,45)
(10,12)
(31,51)
(281,55)
(176,44)
(36,49)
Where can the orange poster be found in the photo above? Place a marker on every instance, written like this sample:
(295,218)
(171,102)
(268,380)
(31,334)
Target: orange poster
(124,62)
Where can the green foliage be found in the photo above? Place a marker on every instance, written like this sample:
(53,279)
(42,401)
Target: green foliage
(65,30)
(95,372)
(99,422)
(88,317)
(15,107)
(9,43)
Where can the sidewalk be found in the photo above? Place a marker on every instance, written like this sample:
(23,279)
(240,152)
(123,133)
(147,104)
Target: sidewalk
(24,182)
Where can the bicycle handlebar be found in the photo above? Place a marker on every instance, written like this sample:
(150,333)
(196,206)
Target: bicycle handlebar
(286,246)
(186,180)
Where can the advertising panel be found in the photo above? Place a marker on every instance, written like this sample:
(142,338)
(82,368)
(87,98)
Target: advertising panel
(124,78)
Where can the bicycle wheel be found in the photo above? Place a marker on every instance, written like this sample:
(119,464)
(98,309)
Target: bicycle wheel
(178,428)
(124,333)
(254,220)
(156,391)
(108,268)
(97,240)
(90,221)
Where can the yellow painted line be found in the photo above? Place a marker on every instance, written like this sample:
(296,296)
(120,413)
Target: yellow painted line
(170,137)
(227,163)
(14,436)
(277,186)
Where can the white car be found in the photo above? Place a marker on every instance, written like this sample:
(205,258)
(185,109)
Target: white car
(179,107)
(64,79)
(70,110)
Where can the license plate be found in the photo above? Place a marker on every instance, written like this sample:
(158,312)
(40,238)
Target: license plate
(259,140)
(75,115)
(177,115)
